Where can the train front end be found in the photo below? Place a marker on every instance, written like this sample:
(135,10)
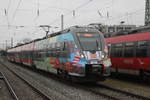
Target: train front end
(91,54)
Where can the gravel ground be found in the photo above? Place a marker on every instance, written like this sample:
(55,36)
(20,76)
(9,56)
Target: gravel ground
(59,90)
(136,88)
(22,90)
(56,89)
(115,94)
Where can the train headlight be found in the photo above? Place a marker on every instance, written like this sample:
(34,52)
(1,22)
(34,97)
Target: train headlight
(78,53)
(103,56)
(106,51)
(82,56)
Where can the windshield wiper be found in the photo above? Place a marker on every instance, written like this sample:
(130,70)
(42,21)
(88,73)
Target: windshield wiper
(97,44)
(80,43)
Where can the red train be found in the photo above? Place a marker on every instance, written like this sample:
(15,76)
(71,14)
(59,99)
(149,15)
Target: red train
(130,51)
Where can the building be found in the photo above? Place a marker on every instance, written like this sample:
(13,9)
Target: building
(112,28)
(118,28)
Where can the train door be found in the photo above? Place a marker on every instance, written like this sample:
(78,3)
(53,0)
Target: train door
(142,55)
(129,56)
(116,55)
(40,58)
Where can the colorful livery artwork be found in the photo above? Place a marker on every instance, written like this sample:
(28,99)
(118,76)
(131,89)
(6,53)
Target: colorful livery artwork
(77,52)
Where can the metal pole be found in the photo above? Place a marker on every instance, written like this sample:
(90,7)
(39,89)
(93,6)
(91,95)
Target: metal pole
(6,44)
(147,12)
(3,46)
(11,42)
(62,22)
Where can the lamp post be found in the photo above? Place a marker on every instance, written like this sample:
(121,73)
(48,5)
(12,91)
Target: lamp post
(6,44)
(62,22)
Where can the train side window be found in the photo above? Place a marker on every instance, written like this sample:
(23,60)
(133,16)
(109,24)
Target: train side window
(116,50)
(111,49)
(54,49)
(148,53)
(142,43)
(63,44)
(142,49)
(129,49)
(58,48)
(52,46)
(49,46)
(58,45)
(64,51)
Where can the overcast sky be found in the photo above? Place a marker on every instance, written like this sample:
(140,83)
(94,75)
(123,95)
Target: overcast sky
(32,13)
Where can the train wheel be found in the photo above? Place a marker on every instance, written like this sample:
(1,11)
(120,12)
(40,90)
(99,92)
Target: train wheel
(58,72)
(65,74)
(116,72)
(34,67)
(62,73)
(142,74)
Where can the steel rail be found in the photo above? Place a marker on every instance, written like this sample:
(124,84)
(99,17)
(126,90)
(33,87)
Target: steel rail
(111,89)
(28,83)
(124,92)
(9,86)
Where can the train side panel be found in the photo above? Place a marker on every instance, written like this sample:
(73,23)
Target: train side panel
(132,52)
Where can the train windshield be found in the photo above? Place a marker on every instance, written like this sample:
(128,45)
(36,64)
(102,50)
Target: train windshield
(90,41)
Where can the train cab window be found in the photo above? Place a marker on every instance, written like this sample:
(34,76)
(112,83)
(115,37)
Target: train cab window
(129,50)
(71,46)
(142,49)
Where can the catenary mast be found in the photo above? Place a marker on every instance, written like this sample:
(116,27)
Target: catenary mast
(147,12)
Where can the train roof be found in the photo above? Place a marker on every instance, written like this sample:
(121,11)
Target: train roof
(73,28)
(127,32)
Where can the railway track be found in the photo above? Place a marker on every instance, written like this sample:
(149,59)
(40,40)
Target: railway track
(115,94)
(3,77)
(109,92)
(48,76)
(40,92)
(106,91)
(33,86)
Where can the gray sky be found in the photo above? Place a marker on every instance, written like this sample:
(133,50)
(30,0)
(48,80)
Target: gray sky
(24,13)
